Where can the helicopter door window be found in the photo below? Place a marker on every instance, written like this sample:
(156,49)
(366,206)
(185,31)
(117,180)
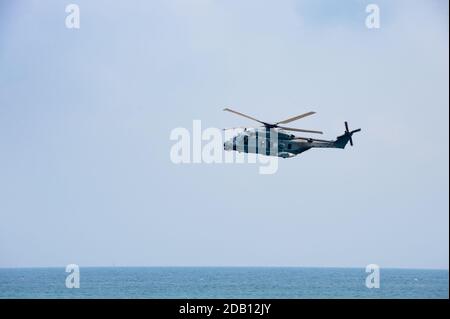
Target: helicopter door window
(289,146)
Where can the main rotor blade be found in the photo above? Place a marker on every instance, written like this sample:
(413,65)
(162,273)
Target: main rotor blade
(249,117)
(311,139)
(234,128)
(295,118)
(299,130)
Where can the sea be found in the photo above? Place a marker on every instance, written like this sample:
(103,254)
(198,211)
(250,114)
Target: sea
(222,282)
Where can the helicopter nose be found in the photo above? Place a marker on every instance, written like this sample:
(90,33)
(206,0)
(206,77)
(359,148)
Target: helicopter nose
(227,146)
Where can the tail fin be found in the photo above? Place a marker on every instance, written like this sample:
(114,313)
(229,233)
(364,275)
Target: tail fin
(341,141)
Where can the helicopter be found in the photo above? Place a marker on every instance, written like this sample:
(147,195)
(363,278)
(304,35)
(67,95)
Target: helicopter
(275,139)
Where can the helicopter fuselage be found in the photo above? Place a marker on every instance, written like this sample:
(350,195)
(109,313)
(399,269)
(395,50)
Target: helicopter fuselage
(272,142)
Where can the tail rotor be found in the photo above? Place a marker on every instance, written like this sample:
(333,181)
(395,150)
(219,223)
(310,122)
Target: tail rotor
(350,133)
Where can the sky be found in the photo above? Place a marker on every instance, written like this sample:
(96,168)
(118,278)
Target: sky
(86,116)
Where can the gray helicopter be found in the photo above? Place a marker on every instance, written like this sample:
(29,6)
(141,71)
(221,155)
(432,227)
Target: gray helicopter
(276,140)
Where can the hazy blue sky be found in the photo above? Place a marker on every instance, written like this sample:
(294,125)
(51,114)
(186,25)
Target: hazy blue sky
(85,119)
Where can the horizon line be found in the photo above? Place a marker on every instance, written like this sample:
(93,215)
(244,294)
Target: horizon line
(217,266)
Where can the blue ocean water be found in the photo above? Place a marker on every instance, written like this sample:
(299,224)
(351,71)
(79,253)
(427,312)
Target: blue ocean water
(222,282)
